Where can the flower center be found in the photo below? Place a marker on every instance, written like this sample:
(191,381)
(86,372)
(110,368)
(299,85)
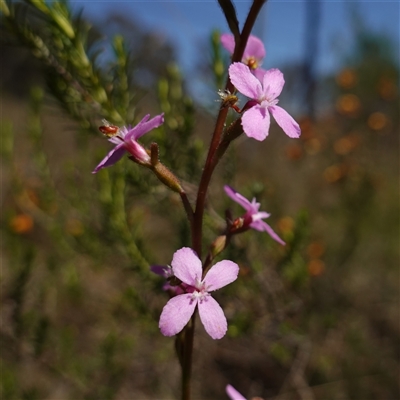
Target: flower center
(251,62)
(265,102)
(200,296)
(200,291)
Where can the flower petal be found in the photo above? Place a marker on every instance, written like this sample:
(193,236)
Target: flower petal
(221,274)
(213,318)
(254,48)
(273,83)
(187,266)
(162,270)
(138,152)
(245,81)
(260,215)
(233,393)
(262,226)
(259,73)
(254,207)
(285,121)
(144,126)
(255,122)
(237,197)
(228,41)
(111,158)
(176,314)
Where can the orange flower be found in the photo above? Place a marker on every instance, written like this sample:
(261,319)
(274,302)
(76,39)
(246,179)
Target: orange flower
(21,223)
(316,267)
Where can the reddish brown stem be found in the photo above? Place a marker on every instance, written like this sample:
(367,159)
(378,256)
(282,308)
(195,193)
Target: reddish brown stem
(210,164)
(217,134)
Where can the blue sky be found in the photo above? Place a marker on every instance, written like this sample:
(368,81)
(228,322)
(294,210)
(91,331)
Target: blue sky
(188,23)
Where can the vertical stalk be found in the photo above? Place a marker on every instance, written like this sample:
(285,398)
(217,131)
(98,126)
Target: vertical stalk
(210,164)
(187,358)
(217,134)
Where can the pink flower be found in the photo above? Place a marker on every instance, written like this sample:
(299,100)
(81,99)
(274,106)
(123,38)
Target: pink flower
(253,218)
(187,267)
(256,119)
(126,141)
(233,393)
(253,53)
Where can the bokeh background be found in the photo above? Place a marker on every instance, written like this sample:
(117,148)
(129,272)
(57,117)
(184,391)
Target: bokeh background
(316,319)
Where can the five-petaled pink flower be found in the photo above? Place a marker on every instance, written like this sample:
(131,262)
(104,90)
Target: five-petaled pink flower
(126,141)
(187,267)
(253,54)
(253,218)
(256,119)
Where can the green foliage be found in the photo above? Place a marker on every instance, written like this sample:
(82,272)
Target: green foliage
(217,60)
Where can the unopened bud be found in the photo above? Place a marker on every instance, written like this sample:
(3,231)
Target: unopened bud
(218,245)
(162,172)
(167,177)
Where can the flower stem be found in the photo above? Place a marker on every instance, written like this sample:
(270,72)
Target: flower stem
(217,134)
(188,207)
(211,162)
(187,358)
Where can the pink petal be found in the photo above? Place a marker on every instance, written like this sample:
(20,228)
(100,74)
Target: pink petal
(259,73)
(176,314)
(228,41)
(221,274)
(285,121)
(213,318)
(255,122)
(244,81)
(162,270)
(262,226)
(237,197)
(254,48)
(273,83)
(138,152)
(187,266)
(254,207)
(111,158)
(260,214)
(144,126)
(233,393)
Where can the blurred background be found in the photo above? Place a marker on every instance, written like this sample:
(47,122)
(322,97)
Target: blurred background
(316,319)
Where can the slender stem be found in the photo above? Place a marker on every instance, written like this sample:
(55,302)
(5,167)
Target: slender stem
(187,358)
(219,126)
(188,208)
(210,164)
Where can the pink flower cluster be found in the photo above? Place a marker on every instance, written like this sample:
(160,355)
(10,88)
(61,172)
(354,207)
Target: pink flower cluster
(189,289)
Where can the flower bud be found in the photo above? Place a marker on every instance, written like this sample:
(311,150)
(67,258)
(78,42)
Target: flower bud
(218,245)
(162,172)
(167,177)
